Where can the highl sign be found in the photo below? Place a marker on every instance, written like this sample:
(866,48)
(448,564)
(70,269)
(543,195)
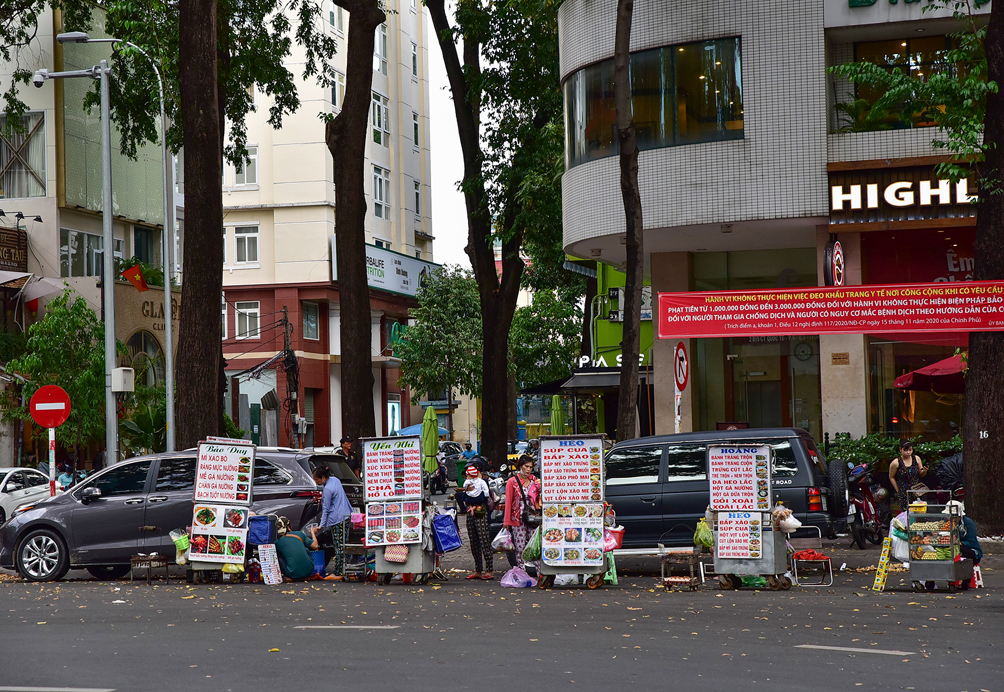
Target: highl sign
(903,193)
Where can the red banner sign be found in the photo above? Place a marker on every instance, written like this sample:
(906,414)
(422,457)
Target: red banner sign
(976,306)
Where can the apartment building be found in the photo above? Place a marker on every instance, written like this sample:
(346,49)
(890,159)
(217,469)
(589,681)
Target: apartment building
(279,224)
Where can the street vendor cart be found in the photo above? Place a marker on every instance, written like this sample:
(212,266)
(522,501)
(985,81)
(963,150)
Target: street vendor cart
(746,542)
(935,542)
(571,474)
(396,505)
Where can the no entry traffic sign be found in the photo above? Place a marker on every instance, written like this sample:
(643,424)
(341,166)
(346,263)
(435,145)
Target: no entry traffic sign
(50,406)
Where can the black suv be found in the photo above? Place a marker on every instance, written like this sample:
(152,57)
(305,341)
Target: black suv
(659,485)
(131,508)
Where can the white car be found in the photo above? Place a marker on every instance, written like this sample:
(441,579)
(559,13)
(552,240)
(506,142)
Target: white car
(19,486)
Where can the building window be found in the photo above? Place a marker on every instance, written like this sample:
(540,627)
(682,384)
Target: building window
(223,317)
(80,254)
(380,50)
(22,159)
(246,244)
(381,120)
(338,92)
(336,17)
(179,172)
(247,319)
(385,244)
(414,128)
(414,5)
(381,192)
(246,172)
(681,94)
(144,245)
(146,357)
(418,199)
(418,254)
(311,329)
(414,59)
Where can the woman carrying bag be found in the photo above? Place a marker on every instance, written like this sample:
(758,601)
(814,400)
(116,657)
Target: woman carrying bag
(475,499)
(522,508)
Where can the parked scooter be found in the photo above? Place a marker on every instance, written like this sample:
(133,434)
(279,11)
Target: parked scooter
(438,481)
(868,511)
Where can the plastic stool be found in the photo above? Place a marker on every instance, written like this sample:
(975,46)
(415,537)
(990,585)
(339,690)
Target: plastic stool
(611,576)
(977,577)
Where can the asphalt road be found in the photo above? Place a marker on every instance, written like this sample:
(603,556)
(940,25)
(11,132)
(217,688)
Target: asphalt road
(462,635)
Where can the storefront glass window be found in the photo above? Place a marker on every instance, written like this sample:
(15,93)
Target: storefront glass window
(680,95)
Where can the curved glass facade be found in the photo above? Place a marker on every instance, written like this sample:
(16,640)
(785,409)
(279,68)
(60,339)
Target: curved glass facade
(681,94)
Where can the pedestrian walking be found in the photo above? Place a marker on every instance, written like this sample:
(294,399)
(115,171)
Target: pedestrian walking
(335,514)
(473,500)
(905,473)
(522,498)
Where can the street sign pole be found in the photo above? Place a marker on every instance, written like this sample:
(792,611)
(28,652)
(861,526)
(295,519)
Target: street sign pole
(52,462)
(50,408)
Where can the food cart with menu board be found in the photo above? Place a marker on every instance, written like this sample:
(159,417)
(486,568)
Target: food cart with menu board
(222,503)
(935,543)
(395,506)
(571,475)
(746,543)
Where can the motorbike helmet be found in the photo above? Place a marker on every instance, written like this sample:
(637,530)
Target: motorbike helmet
(881,494)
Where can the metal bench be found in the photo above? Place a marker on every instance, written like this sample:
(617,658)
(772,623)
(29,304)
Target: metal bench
(689,555)
(150,563)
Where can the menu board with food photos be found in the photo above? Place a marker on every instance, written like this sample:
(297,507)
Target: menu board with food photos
(392,468)
(219,533)
(393,523)
(571,469)
(572,534)
(225,471)
(740,535)
(740,477)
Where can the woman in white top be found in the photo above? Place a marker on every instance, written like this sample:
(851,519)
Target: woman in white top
(474,501)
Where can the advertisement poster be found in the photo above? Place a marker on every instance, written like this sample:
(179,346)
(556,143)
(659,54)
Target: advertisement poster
(269,564)
(392,468)
(219,533)
(393,523)
(976,306)
(571,470)
(739,535)
(740,478)
(224,473)
(572,534)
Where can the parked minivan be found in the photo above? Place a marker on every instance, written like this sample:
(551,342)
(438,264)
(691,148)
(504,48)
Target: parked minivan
(659,485)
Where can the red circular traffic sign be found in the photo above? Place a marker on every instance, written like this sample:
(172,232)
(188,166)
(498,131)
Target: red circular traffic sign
(50,406)
(681,366)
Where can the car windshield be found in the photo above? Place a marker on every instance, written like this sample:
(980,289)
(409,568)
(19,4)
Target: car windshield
(339,469)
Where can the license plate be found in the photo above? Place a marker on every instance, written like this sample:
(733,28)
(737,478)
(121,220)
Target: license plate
(824,503)
(851,511)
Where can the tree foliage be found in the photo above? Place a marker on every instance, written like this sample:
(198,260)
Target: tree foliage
(544,339)
(442,350)
(65,348)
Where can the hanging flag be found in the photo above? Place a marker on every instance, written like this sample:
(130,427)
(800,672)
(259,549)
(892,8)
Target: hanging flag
(136,278)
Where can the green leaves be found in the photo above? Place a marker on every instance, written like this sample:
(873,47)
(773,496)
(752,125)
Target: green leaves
(545,338)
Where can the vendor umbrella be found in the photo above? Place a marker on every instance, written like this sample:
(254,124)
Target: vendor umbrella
(557,416)
(944,377)
(430,440)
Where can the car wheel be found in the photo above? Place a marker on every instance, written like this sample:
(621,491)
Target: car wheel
(109,571)
(42,556)
(836,473)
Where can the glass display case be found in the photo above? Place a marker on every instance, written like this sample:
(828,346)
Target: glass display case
(934,535)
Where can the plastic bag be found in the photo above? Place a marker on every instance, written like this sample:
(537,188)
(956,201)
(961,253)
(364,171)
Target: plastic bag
(566,579)
(502,543)
(900,549)
(703,535)
(754,582)
(613,536)
(790,524)
(532,551)
(517,579)
(181,544)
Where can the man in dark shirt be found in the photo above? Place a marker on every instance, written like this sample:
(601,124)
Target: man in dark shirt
(349,454)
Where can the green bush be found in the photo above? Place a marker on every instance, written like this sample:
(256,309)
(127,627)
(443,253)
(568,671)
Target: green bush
(879,449)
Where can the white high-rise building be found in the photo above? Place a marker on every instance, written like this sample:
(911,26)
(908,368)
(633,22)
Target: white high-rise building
(279,224)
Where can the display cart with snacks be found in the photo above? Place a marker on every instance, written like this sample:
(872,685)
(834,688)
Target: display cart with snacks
(222,503)
(746,542)
(935,542)
(571,474)
(395,507)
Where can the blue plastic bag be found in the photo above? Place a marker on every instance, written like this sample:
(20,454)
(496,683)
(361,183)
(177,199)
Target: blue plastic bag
(444,534)
(261,530)
(319,562)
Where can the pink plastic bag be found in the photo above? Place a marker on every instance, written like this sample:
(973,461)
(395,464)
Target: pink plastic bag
(613,536)
(517,579)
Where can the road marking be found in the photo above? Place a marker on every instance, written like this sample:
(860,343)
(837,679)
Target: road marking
(341,627)
(54,689)
(887,652)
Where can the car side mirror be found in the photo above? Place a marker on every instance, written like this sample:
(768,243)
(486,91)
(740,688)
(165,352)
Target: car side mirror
(90,493)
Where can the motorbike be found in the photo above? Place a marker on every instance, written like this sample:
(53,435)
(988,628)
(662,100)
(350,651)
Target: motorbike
(438,482)
(868,512)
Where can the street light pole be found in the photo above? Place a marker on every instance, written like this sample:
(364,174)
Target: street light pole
(167,235)
(102,72)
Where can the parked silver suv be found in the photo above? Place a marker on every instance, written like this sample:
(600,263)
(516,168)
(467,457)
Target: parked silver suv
(131,508)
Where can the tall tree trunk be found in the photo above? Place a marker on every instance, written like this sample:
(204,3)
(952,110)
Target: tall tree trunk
(983,425)
(512,427)
(627,393)
(346,140)
(199,346)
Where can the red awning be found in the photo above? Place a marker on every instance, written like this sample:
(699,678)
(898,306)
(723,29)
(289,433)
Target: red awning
(945,377)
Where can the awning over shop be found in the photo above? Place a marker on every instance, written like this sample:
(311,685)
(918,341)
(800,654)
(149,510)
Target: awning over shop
(944,377)
(584,381)
(553,387)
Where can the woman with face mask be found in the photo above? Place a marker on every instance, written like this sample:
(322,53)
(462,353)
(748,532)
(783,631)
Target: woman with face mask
(473,500)
(522,498)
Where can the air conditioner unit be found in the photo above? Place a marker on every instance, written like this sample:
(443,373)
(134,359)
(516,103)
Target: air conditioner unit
(616,316)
